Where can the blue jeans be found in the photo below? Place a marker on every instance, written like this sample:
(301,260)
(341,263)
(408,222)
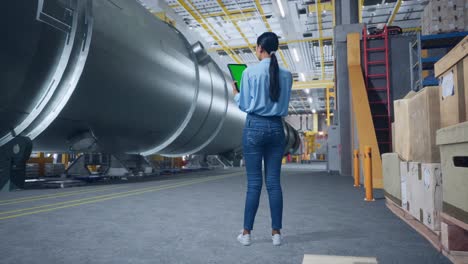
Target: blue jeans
(263,139)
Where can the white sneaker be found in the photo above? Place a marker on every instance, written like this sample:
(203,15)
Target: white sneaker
(276,239)
(244,239)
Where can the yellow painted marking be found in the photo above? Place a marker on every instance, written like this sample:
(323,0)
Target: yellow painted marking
(49,196)
(120,195)
(77,200)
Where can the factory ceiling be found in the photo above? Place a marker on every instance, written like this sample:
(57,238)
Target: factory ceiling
(229,29)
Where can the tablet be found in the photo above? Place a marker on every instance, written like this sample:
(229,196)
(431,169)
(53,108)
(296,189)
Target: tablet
(236,71)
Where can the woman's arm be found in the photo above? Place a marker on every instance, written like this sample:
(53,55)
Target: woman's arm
(244,97)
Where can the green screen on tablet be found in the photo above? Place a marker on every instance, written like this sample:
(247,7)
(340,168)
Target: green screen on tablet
(236,73)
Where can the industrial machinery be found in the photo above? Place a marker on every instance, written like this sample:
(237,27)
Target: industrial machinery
(107,76)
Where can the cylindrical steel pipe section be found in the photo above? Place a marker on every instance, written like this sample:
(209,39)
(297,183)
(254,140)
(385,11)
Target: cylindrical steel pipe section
(107,76)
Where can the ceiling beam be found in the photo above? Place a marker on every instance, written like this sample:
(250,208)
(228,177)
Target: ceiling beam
(318,84)
(226,11)
(281,43)
(232,12)
(267,25)
(394,12)
(319,22)
(212,32)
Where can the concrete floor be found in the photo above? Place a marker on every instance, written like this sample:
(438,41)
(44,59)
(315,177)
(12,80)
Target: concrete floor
(195,218)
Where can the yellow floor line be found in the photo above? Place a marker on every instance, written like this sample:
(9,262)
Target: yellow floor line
(77,200)
(121,195)
(50,196)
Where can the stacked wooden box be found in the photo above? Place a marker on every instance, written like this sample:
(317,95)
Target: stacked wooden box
(431,159)
(453,142)
(441,16)
(417,119)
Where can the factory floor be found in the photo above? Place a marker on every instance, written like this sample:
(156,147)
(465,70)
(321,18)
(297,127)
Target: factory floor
(195,218)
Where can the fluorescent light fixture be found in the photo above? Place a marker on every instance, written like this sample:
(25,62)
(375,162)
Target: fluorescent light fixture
(296,56)
(280,5)
(314,111)
(307,91)
(310,99)
(303,78)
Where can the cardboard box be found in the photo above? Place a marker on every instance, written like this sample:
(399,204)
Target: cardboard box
(424,123)
(402,126)
(391,177)
(404,171)
(432,196)
(415,191)
(453,142)
(417,119)
(443,16)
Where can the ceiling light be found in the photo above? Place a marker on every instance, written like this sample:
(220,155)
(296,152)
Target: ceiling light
(307,91)
(310,99)
(314,111)
(302,76)
(296,56)
(280,5)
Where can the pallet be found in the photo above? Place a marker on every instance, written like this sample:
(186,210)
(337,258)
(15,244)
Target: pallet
(434,237)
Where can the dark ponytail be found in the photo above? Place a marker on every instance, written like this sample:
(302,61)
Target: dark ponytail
(269,42)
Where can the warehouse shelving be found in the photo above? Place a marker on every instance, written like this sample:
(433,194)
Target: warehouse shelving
(419,64)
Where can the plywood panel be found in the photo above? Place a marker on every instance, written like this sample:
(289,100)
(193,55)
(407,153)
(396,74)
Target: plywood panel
(321,259)
(465,84)
(453,57)
(453,107)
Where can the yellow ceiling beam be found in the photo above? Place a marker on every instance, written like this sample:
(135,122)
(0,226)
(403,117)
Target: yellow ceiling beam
(223,7)
(281,43)
(361,4)
(333,13)
(394,12)
(267,25)
(323,6)
(318,84)
(319,24)
(200,19)
(232,12)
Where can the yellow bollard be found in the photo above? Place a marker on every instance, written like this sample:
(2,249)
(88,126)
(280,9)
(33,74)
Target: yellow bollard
(356,169)
(368,174)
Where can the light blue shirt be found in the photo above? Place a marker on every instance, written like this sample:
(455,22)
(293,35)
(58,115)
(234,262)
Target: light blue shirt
(254,97)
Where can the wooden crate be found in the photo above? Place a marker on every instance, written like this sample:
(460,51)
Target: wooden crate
(454,234)
(452,70)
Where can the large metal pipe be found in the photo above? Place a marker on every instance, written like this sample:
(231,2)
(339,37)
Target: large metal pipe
(107,76)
